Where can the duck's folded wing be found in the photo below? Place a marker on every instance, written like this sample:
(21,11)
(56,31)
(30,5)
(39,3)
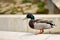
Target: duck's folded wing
(43,21)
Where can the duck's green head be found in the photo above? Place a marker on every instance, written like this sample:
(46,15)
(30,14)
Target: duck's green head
(30,16)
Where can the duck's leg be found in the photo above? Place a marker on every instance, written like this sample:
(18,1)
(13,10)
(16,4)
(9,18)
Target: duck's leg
(41,31)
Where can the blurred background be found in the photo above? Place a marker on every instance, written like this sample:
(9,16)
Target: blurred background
(23,7)
(29,6)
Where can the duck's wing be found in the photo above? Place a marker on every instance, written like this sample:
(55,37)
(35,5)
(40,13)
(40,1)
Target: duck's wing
(38,20)
(43,21)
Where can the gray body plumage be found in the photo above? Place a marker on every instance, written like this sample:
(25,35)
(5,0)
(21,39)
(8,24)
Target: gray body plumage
(36,24)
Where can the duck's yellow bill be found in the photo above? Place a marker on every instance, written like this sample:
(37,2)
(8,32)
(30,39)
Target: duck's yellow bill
(25,18)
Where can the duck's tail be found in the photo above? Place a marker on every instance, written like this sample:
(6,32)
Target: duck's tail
(51,24)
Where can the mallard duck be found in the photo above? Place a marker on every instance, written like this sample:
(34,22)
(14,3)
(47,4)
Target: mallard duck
(39,23)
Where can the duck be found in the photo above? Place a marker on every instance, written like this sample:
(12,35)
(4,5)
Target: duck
(38,24)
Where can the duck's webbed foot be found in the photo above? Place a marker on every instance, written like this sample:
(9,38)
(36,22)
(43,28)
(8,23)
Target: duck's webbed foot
(41,31)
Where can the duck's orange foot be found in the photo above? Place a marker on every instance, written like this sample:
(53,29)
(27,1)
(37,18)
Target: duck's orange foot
(39,33)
